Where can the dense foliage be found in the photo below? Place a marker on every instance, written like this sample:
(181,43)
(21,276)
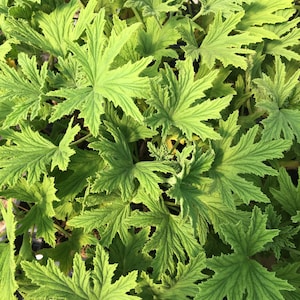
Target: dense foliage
(150,149)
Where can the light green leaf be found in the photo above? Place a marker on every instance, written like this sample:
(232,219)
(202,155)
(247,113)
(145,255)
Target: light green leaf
(28,98)
(117,85)
(41,213)
(86,16)
(153,7)
(54,37)
(275,95)
(288,36)
(103,274)
(155,40)
(224,6)
(8,284)
(175,102)
(260,12)
(109,219)
(246,157)
(31,154)
(219,44)
(83,285)
(246,275)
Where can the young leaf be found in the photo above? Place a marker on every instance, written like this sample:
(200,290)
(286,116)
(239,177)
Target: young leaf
(29,96)
(117,85)
(218,44)
(186,189)
(175,102)
(41,213)
(53,283)
(8,284)
(236,274)
(246,157)
(275,95)
(32,154)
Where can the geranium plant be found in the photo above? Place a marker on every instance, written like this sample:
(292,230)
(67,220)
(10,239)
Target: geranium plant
(149,149)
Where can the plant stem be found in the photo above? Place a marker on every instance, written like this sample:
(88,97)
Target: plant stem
(198,14)
(137,15)
(81,139)
(290,164)
(59,228)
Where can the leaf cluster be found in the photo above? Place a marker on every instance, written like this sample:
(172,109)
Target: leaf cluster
(149,149)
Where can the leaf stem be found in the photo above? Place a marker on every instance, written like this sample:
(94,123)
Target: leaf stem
(290,164)
(81,139)
(175,145)
(59,228)
(198,14)
(137,15)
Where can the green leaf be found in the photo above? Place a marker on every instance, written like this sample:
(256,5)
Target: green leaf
(102,275)
(53,283)
(128,253)
(175,102)
(153,7)
(289,35)
(8,284)
(288,194)
(285,238)
(29,96)
(187,189)
(172,236)
(54,38)
(123,173)
(290,272)
(86,16)
(70,183)
(276,95)
(245,274)
(109,219)
(156,40)
(224,6)
(131,129)
(32,154)
(41,213)
(64,252)
(219,44)
(117,85)
(260,12)
(245,157)
(181,286)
